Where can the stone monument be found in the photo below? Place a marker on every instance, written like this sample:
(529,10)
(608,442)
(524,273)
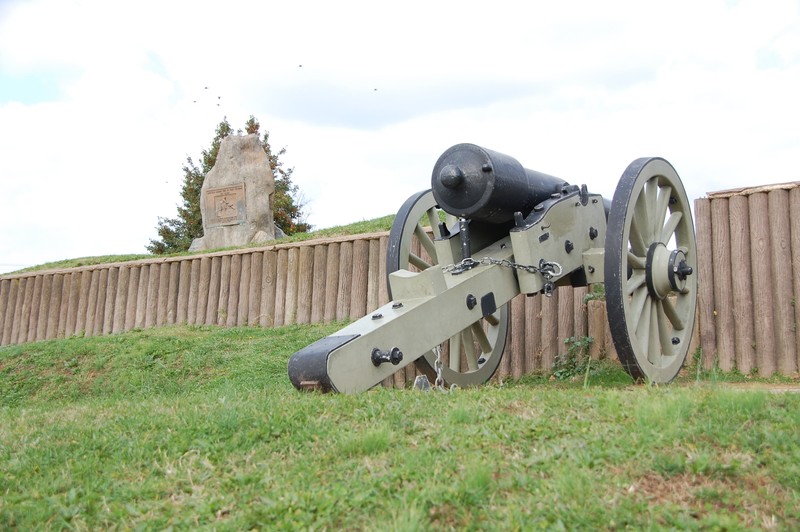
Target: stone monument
(236,201)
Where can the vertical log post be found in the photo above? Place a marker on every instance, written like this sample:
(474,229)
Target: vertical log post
(213,291)
(11,305)
(705,288)
(151,308)
(518,347)
(566,319)
(723,300)
(254,294)
(345,280)
(141,295)
(6,308)
(234,281)
(33,313)
(596,326)
(221,310)
(373,274)
(549,330)
(281,270)
(781,262)
(25,310)
(121,299)
(203,289)
(305,283)
(762,294)
(194,292)
(794,218)
(358,300)
(533,335)
(62,314)
(53,308)
(100,303)
(741,275)
(244,290)
(292,272)
(83,302)
(111,297)
(319,282)
(331,282)
(268,296)
(162,308)
(133,290)
(383,285)
(43,313)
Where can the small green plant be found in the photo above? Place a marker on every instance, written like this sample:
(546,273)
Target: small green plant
(575,360)
(597,293)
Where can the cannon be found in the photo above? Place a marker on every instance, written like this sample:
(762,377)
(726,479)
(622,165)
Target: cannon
(492,229)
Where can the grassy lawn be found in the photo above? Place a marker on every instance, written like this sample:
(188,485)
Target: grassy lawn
(189,427)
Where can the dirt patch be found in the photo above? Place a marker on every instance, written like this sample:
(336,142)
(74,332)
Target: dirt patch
(764,386)
(699,494)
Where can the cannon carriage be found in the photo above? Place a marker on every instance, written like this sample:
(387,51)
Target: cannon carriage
(498,230)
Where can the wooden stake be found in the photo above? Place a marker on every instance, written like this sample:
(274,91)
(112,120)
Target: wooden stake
(741,272)
(705,287)
(760,253)
(723,300)
(783,309)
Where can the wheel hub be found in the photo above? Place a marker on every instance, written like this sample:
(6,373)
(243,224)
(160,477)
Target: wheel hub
(666,271)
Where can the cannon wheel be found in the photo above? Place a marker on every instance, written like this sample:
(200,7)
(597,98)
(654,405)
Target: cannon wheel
(480,346)
(650,260)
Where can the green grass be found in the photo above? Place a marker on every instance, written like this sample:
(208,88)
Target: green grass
(199,427)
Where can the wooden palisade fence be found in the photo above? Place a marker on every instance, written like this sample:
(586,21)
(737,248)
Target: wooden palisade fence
(749,262)
(748,244)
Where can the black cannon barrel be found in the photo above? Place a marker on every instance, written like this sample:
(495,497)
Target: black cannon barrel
(481,184)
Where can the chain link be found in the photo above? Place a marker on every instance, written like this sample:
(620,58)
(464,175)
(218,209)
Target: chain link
(548,269)
(437,365)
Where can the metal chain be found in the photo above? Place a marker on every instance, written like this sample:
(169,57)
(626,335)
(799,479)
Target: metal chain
(548,269)
(437,365)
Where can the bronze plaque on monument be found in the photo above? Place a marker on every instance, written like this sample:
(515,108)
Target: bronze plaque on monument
(226,205)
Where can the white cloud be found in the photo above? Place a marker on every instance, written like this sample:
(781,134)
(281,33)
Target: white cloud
(576,89)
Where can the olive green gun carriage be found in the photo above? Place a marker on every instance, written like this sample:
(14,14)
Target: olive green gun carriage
(509,230)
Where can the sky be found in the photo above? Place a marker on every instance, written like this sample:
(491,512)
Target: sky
(102,101)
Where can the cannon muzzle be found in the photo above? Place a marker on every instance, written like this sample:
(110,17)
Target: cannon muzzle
(473,182)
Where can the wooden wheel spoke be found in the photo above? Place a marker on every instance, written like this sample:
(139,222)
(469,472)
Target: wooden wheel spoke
(650,208)
(637,239)
(664,195)
(637,280)
(636,262)
(654,338)
(469,349)
(480,336)
(455,352)
(426,242)
(664,332)
(417,261)
(643,215)
(433,218)
(637,305)
(672,315)
(669,227)
(643,325)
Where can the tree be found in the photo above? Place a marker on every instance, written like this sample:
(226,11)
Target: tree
(176,234)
